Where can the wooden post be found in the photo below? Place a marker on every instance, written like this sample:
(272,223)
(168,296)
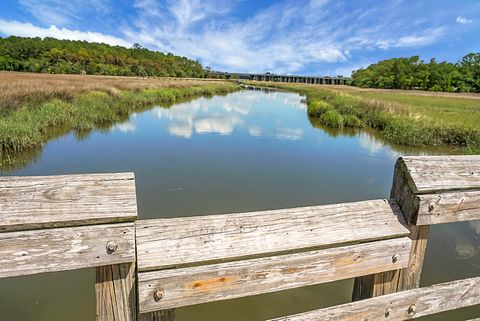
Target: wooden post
(403,192)
(163,315)
(116,292)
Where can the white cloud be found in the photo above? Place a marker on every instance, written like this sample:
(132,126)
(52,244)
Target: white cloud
(416,39)
(16,28)
(255,131)
(427,37)
(184,130)
(187,12)
(464,20)
(286,37)
(126,127)
(220,125)
(289,133)
(261,43)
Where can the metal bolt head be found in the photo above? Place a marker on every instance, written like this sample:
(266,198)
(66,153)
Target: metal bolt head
(395,257)
(111,247)
(412,309)
(388,311)
(158,295)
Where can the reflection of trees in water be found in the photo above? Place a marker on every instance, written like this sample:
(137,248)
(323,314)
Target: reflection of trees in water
(14,161)
(373,138)
(332,132)
(104,127)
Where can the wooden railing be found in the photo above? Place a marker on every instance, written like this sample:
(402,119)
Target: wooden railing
(148,268)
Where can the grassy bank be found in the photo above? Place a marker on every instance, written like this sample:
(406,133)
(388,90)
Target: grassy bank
(32,106)
(402,117)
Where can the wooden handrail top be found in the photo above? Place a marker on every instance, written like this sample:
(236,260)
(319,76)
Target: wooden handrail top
(433,174)
(201,239)
(38,202)
(446,188)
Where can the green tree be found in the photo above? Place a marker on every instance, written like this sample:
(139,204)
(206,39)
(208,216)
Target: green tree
(66,56)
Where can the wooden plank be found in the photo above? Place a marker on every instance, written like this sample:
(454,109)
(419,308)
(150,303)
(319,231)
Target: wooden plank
(115,292)
(31,252)
(194,285)
(448,207)
(66,200)
(396,306)
(443,173)
(181,241)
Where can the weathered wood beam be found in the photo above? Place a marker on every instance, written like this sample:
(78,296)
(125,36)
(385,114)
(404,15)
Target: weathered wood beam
(29,203)
(70,248)
(187,286)
(186,241)
(409,277)
(401,306)
(448,207)
(115,292)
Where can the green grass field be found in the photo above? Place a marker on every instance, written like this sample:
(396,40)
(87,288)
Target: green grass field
(455,111)
(407,118)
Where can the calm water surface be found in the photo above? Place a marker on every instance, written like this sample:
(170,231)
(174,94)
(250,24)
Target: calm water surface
(250,150)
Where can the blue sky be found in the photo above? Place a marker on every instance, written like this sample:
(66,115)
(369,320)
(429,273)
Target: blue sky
(311,37)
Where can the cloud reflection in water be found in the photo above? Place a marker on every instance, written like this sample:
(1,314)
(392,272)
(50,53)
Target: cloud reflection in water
(246,110)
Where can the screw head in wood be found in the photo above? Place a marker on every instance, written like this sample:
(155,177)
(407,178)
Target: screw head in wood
(111,247)
(388,311)
(395,257)
(412,309)
(158,295)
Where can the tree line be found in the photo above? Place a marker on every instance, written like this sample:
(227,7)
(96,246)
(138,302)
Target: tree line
(51,55)
(413,73)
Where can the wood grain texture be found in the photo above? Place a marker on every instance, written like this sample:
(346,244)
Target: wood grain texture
(59,249)
(115,292)
(427,301)
(163,315)
(188,286)
(396,280)
(443,173)
(448,207)
(182,241)
(66,200)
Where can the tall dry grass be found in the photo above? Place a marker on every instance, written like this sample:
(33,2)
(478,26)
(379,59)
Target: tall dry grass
(18,89)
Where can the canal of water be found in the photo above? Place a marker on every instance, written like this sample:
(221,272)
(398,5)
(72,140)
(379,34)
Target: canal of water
(247,151)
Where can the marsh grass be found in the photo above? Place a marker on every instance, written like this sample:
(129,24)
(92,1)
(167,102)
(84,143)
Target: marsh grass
(33,105)
(401,117)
